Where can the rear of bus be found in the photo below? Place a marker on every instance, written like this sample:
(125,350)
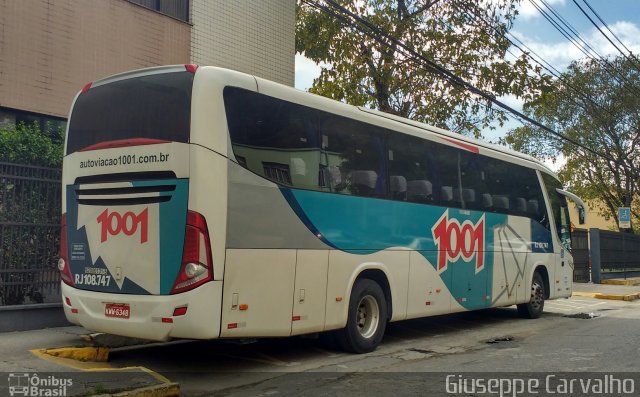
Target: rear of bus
(137,233)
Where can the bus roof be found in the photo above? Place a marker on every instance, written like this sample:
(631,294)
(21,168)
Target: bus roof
(364,114)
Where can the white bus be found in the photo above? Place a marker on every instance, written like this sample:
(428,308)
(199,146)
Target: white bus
(204,203)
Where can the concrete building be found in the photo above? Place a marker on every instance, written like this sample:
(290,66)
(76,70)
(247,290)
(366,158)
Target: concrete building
(51,49)
(594,218)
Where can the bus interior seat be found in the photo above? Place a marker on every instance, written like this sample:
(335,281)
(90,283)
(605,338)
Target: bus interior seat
(447,193)
(532,206)
(364,182)
(398,187)
(521,205)
(419,191)
(487,201)
(501,202)
(468,196)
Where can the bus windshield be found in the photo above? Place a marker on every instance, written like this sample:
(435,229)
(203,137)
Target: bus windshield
(156,106)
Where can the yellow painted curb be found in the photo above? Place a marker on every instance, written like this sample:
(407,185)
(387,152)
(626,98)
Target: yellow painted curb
(94,354)
(628,298)
(599,295)
(68,356)
(617,281)
(163,390)
(584,294)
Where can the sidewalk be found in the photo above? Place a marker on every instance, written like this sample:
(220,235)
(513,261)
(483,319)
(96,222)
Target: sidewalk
(607,291)
(28,354)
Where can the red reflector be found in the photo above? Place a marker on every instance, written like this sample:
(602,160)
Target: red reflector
(65,273)
(295,318)
(191,68)
(68,301)
(232,325)
(74,311)
(167,320)
(428,303)
(180,311)
(86,88)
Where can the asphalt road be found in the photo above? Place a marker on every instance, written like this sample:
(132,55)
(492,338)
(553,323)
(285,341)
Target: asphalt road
(576,335)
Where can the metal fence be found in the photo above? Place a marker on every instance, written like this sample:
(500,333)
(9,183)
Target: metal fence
(619,252)
(29,234)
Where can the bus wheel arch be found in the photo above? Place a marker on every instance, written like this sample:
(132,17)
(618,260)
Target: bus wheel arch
(544,273)
(366,317)
(539,292)
(380,277)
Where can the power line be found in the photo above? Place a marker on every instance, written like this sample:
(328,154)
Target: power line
(375,33)
(606,36)
(553,71)
(605,25)
(580,43)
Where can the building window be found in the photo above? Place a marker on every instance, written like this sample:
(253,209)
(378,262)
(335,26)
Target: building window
(277,172)
(178,9)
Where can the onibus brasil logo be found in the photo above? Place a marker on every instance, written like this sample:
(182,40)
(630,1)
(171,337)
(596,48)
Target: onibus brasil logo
(34,385)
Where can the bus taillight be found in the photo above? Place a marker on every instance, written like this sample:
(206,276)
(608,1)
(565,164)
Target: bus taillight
(63,264)
(197,264)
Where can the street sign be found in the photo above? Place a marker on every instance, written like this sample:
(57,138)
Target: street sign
(624,217)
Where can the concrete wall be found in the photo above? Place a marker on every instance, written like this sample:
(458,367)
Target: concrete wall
(251,36)
(50,49)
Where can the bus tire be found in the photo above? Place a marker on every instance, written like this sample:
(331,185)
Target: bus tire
(535,306)
(367,318)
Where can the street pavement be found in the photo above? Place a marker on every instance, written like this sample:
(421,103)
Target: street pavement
(69,354)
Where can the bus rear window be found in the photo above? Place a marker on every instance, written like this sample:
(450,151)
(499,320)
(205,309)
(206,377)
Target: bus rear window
(155,106)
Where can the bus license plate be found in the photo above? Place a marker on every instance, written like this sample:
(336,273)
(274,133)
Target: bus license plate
(119,310)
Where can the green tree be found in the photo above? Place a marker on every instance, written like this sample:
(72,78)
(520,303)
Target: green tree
(599,109)
(26,144)
(466,37)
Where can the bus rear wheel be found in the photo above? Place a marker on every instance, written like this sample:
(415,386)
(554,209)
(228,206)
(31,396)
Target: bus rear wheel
(535,306)
(367,318)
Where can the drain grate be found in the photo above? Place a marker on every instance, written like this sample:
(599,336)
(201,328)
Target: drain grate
(500,340)
(583,316)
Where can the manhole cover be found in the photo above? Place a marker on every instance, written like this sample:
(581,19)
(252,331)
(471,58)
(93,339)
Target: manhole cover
(500,340)
(583,316)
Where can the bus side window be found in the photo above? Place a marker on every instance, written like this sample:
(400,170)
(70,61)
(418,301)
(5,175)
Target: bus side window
(560,210)
(410,169)
(275,139)
(357,151)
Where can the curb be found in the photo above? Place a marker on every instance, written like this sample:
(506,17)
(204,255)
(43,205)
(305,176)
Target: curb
(598,295)
(94,354)
(162,390)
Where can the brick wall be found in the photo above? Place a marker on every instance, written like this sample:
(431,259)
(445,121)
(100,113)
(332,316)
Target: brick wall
(51,49)
(252,36)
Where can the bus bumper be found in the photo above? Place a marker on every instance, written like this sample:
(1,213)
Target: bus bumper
(150,316)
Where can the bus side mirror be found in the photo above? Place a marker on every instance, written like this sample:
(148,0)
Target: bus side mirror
(581,215)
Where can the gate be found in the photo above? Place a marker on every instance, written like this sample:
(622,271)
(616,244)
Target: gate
(580,252)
